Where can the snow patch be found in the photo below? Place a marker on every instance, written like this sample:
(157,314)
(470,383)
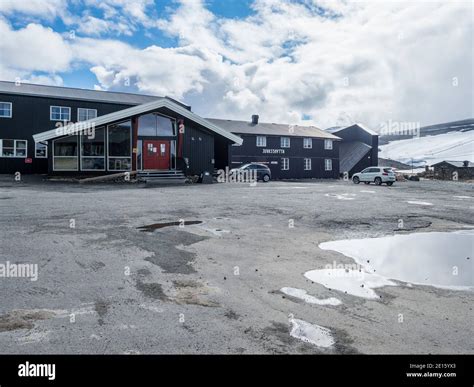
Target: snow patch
(419,203)
(311,333)
(303,295)
(345,196)
(354,282)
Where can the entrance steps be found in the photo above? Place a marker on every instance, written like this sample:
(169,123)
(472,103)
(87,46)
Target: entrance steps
(167,177)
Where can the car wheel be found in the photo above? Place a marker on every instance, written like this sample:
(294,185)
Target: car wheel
(266,178)
(356,180)
(390,183)
(378,181)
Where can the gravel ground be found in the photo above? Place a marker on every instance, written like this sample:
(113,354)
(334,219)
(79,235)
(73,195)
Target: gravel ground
(106,286)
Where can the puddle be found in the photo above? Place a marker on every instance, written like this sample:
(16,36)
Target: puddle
(311,333)
(439,259)
(419,203)
(156,226)
(303,295)
(353,282)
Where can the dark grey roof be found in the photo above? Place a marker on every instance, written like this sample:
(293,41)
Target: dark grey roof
(336,129)
(350,153)
(76,94)
(457,164)
(243,127)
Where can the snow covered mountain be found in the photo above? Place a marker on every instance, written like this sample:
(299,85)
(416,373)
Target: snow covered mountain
(429,150)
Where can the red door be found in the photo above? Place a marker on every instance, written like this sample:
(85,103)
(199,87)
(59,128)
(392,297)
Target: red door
(156,154)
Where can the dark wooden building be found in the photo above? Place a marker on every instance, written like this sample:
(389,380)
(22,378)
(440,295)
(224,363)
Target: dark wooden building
(66,131)
(290,151)
(358,149)
(454,170)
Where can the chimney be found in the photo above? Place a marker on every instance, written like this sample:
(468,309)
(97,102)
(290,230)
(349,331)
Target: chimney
(465,163)
(255,119)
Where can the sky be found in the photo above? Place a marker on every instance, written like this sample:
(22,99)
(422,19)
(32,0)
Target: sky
(309,62)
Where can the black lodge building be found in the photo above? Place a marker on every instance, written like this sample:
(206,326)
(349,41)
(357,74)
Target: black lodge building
(78,132)
(64,131)
(290,151)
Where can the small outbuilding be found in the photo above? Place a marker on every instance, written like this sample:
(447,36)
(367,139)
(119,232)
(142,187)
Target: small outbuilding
(454,170)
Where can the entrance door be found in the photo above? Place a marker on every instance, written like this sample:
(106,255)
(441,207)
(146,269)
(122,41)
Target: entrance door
(156,154)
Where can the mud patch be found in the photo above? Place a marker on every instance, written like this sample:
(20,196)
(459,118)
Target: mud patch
(192,293)
(23,319)
(157,226)
(152,290)
(231,315)
(101,308)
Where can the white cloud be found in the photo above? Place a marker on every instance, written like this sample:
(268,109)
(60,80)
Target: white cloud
(334,61)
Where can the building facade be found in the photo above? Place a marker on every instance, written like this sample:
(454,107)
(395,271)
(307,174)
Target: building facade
(65,131)
(290,151)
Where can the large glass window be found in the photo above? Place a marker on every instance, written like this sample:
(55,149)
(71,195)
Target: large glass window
(60,113)
(93,150)
(120,146)
(86,114)
(65,154)
(5,109)
(154,125)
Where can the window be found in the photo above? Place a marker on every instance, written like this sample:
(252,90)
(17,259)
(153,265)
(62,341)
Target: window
(285,164)
(328,144)
(59,113)
(41,150)
(154,125)
(65,154)
(93,151)
(13,148)
(261,141)
(328,164)
(84,114)
(120,146)
(307,143)
(307,164)
(5,109)
(285,142)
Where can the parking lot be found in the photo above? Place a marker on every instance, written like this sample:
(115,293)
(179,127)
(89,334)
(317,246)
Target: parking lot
(107,285)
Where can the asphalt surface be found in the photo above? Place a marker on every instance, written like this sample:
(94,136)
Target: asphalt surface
(107,286)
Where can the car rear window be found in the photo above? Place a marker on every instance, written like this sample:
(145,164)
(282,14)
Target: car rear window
(387,170)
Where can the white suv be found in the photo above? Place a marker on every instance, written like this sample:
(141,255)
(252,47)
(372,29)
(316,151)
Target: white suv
(377,175)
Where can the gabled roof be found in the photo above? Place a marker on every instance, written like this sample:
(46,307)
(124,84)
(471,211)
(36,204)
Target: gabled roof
(74,128)
(244,127)
(350,153)
(75,93)
(457,164)
(336,129)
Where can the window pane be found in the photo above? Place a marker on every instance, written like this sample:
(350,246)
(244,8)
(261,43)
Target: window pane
(165,126)
(63,163)
(119,139)
(93,163)
(66,146)
(120,164)
(41,149)
(94,146)
(8,143)
(8,152)
(20,144)
(147,125)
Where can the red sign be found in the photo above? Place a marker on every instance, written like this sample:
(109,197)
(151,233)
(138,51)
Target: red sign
(28,161)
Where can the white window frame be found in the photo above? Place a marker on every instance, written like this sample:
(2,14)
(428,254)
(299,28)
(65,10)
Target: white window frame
(119,157)
(328,163)
(283,143)
(11,110)
(87,114)
(14,149)
(307,164)
(307,143)
(264,141)
(68,157)
(328,144)
(36,148)
(60,113)
(283,164)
